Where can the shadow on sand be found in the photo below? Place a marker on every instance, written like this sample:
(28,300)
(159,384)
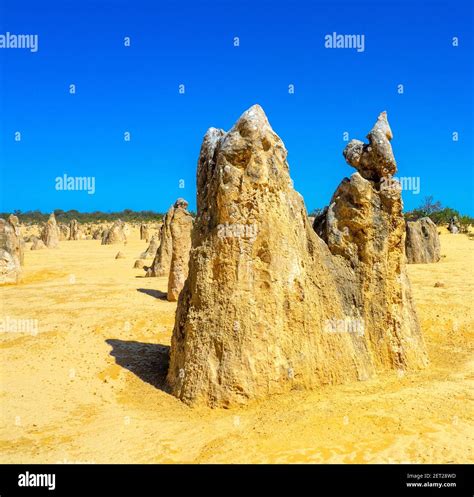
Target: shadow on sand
(153,293)
(149,361)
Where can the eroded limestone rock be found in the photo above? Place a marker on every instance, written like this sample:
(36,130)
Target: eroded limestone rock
(374,160)
(453,226)
(74,230)
(422,241)
(181,226)
(162,261)
(144,233)
(37,244)
(50,234)
(364,226)
(63,232)
(152,247)
(11,251)
(19,246)
(268,306)
(116,234)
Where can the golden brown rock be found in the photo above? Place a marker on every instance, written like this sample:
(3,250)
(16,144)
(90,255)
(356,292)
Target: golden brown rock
(152,247)
(144,234)
(11,251)
(74,230)
(116,234)
(19,246)
(181,226)
(37,244)
(267,307)
(162,261)
(64,232)
(50,234)
(139,264)
(422,241)
(364,226)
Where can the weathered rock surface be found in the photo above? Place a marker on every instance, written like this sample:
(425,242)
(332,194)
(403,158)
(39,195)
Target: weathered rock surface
(11,251)
(364,226)
(63,232)
(453,226)
(37,244)
(139,264)
(152,247)
(181,226)
(116,234)
(422,241)
(98,233)
(19,246)
(162,262)
(267,306)
(50,234)
(74,230)
(144,233)
(374,160)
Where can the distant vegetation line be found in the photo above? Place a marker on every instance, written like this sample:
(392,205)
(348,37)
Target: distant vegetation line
(438,213)
(430,208)
(85,217)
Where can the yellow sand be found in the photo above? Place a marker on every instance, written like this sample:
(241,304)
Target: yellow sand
(64,398)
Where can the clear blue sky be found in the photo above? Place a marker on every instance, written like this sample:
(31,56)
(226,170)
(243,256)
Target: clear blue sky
(136,89)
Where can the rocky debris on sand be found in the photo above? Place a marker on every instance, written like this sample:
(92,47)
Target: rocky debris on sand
(268,306)
(422,241)
(120,255)
(139,264)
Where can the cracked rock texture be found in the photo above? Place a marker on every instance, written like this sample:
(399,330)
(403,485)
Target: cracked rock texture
(74,230)
(116,234)
(144,233)
(422,241)
(270,306)
(181,226)
(50,234)
(152,247)
(11,250)
(162,263)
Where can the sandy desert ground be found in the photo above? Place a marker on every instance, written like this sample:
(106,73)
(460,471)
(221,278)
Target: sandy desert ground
(88,387)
